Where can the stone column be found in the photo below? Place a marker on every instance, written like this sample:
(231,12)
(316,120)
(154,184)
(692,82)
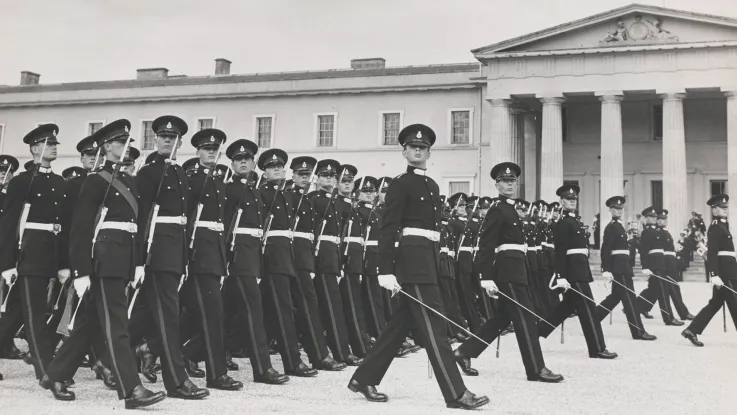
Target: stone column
(551,158)
(612,176)
(675,185)
(500,142)
(731,154)
(530,169)
(516,131)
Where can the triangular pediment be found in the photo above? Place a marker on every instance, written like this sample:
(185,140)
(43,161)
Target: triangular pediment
(630,26)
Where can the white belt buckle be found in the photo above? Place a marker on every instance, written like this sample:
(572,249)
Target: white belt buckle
(56,228)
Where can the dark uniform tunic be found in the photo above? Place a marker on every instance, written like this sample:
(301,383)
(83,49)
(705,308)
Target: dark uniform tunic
(447,279)
(110,268)
(673,274)
(41,255)
(464,232)
(721,262)
(502,230)
(652,258)
(413,206)
(373,301)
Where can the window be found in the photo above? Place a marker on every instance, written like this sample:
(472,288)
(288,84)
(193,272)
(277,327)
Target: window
(203,123)
(326,127)
(147,134)
(459,186)
(391,123)
(657,122)
(656,193)
(717,186)
(93,127)
(264,130)
(460,132)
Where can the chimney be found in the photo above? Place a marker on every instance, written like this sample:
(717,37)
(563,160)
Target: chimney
(222,66)
(152,73)
(368,63)
(29,78)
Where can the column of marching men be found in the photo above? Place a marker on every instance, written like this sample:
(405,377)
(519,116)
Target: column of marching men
(226,262)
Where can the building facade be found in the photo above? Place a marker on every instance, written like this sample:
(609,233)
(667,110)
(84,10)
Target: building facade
(638,101)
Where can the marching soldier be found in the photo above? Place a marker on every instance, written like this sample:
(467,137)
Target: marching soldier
(463,250)
(615,266)
(8,166)
(33,207)
(447,277)
(413,208)
(722,268)
(501,259)
(129,164)
(672,264)
(574,276)
(162,232)
(108,197)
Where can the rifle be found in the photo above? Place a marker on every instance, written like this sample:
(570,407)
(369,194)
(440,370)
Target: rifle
(332,196)
(463,234)
(154,213)
(301,198)
(271,215)
(368,221)
(209,175)
(237,219)
(102,211)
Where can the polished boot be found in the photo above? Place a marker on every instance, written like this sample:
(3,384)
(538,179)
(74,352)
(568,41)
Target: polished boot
(352,360)
(225,383)
(188,390)
(1,376)
(604,354)
(647,315)
(192,369)
(146,362)
(464,362)
(302,371)
(271,377)
(689,316)
(691,336)
(468,401)
(229,363)
(404,350)
(329,364)
(546,376)
(57,388)
(675,322)
(11,353)
(105,374)
(645,336)
(28,358)
(141,397)
(413,348)
(368,391)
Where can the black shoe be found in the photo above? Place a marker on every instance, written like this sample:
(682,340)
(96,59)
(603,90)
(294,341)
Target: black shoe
(403,351)
(646,336)
(329,364)
(146,363)
(156,368)
(229,363)
(271,377)
(368,391)
(675,322)
(302,371)
(647,315)
(141,397)
(1,376)
(691,336)
(192,370)
(28,358)
(105,374)
(85,362)
(464,362)
(68,383)
(468,401)
(353,360)
(546,376)
(11,353)
(225,383)
(413,348)
(57,388)
(189,391)
(604,354)
(689,316)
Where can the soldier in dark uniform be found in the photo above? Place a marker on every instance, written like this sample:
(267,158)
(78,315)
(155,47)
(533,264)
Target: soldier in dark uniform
(463,233)
(553,298)
(413,208)
(162,232)
(129,164)
(304,296)
(721,267)
(327,261)
(104,224)
(615,264)
(573,271)
(8,166)
(447,276)
(279,273)
(501,259)
(672,268)
(33,209)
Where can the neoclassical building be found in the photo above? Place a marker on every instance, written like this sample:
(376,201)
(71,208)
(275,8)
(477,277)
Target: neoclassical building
(638,100)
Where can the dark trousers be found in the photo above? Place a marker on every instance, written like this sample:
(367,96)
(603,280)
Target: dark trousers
(350,292)
(244,296)
(718,299)
(204,302)
(277,300)
(330,302)
(656,290)
(450,301)
(430,327)
(158,302)
(32,292)
(619,294)
(307,316)
(585,309)
(373,305)
(106,314)
(12,319)
(678,304)
(467,300)
(390,303)
(524,325)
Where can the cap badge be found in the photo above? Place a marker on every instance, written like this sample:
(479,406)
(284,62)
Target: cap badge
(273,157)
(196,166)
(168,125)
(508,171)
(94,145)
(243,149)
(5,161)
(126,128)
(212,138)
(53,132)
(329,167)
(419,134)
(304,164)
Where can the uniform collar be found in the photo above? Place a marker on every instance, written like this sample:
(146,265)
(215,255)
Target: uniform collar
(45,170)
(347,199)
(367,204)
(416,170)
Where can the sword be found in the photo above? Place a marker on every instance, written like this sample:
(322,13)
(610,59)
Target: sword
(723,286)
(642,298)
(5,303)
(664,279)
(70,326)
(529,311)
(599,305)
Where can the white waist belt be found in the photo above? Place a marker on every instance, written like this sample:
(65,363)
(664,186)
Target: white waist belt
(354,239)
(511,247)
(425,233)
(444,250)
(177,220)
(669,253)
(727,253)
(534,248)
(621,252)
(372,243)
(574,251)
(328,238)
(258,233)
(465,249)
(213,226)
(48,227)
(549,245)
(121,226)
(304,235)
(284,233)
(475,248)
(451,254)
(655,251)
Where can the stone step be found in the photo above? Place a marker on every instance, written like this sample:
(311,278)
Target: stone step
(695,272)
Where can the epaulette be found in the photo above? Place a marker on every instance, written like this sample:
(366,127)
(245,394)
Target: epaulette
(398,176)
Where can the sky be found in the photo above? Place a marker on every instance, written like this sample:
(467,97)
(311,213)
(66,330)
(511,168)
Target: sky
(91,40)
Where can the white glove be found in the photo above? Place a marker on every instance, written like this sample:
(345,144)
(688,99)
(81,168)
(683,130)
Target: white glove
(81,285)
(360,278)
(222,281)
(312,275)
(607,276)
(647,271)
(138,276)
(490,287)
(8,275)
(716,281)
(563,283)
(63,275)
(340,276)
(258,280)
(389,282)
